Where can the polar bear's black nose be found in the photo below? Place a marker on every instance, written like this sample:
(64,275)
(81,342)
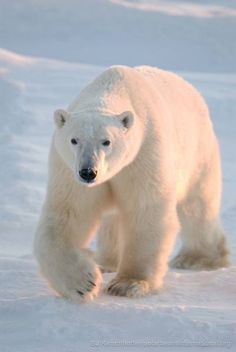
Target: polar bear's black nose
(88,174)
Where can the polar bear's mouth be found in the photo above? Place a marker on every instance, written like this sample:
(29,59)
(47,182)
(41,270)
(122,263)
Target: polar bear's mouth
(86,182)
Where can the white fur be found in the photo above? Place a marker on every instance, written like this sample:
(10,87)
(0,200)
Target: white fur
(161,171)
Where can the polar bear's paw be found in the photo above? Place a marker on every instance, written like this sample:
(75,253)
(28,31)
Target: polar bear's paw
(128,287)
(199,261)
(79,280)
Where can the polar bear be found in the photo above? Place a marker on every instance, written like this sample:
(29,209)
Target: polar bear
(135,158)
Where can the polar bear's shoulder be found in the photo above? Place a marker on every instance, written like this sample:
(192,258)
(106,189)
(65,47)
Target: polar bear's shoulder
(108,79)
(114,74)
(118,74)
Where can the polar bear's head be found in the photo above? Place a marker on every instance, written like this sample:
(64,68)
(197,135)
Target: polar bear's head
(96,146)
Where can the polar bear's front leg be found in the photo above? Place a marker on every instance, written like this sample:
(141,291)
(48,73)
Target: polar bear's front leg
(70,271)
(148,236)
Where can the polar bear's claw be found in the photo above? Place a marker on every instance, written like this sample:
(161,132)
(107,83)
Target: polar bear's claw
(80,293)
(80,278)
(128,287)
(92,283)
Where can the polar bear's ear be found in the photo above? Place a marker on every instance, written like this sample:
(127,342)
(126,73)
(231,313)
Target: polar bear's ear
(127,119)
(60,117)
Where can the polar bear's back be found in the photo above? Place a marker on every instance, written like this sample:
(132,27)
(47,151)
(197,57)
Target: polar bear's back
(188,110)
(175,90)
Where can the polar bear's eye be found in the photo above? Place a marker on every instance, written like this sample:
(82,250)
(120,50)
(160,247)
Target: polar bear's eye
(74,141)
(106,143)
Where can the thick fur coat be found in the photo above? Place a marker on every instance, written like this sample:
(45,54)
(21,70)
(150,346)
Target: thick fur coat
(135,159)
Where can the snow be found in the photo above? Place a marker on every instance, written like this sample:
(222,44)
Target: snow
(103,32)
(178,8)
(52,50)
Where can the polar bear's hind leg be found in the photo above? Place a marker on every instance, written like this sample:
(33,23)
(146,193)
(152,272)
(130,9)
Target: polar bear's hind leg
(204,244)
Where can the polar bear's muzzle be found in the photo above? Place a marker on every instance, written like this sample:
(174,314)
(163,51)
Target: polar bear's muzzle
(88,174)
(90,166)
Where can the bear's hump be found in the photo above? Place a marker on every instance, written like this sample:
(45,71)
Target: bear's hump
(111,76)
(106,82)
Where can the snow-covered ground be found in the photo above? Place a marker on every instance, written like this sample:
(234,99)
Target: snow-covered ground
(43,45)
